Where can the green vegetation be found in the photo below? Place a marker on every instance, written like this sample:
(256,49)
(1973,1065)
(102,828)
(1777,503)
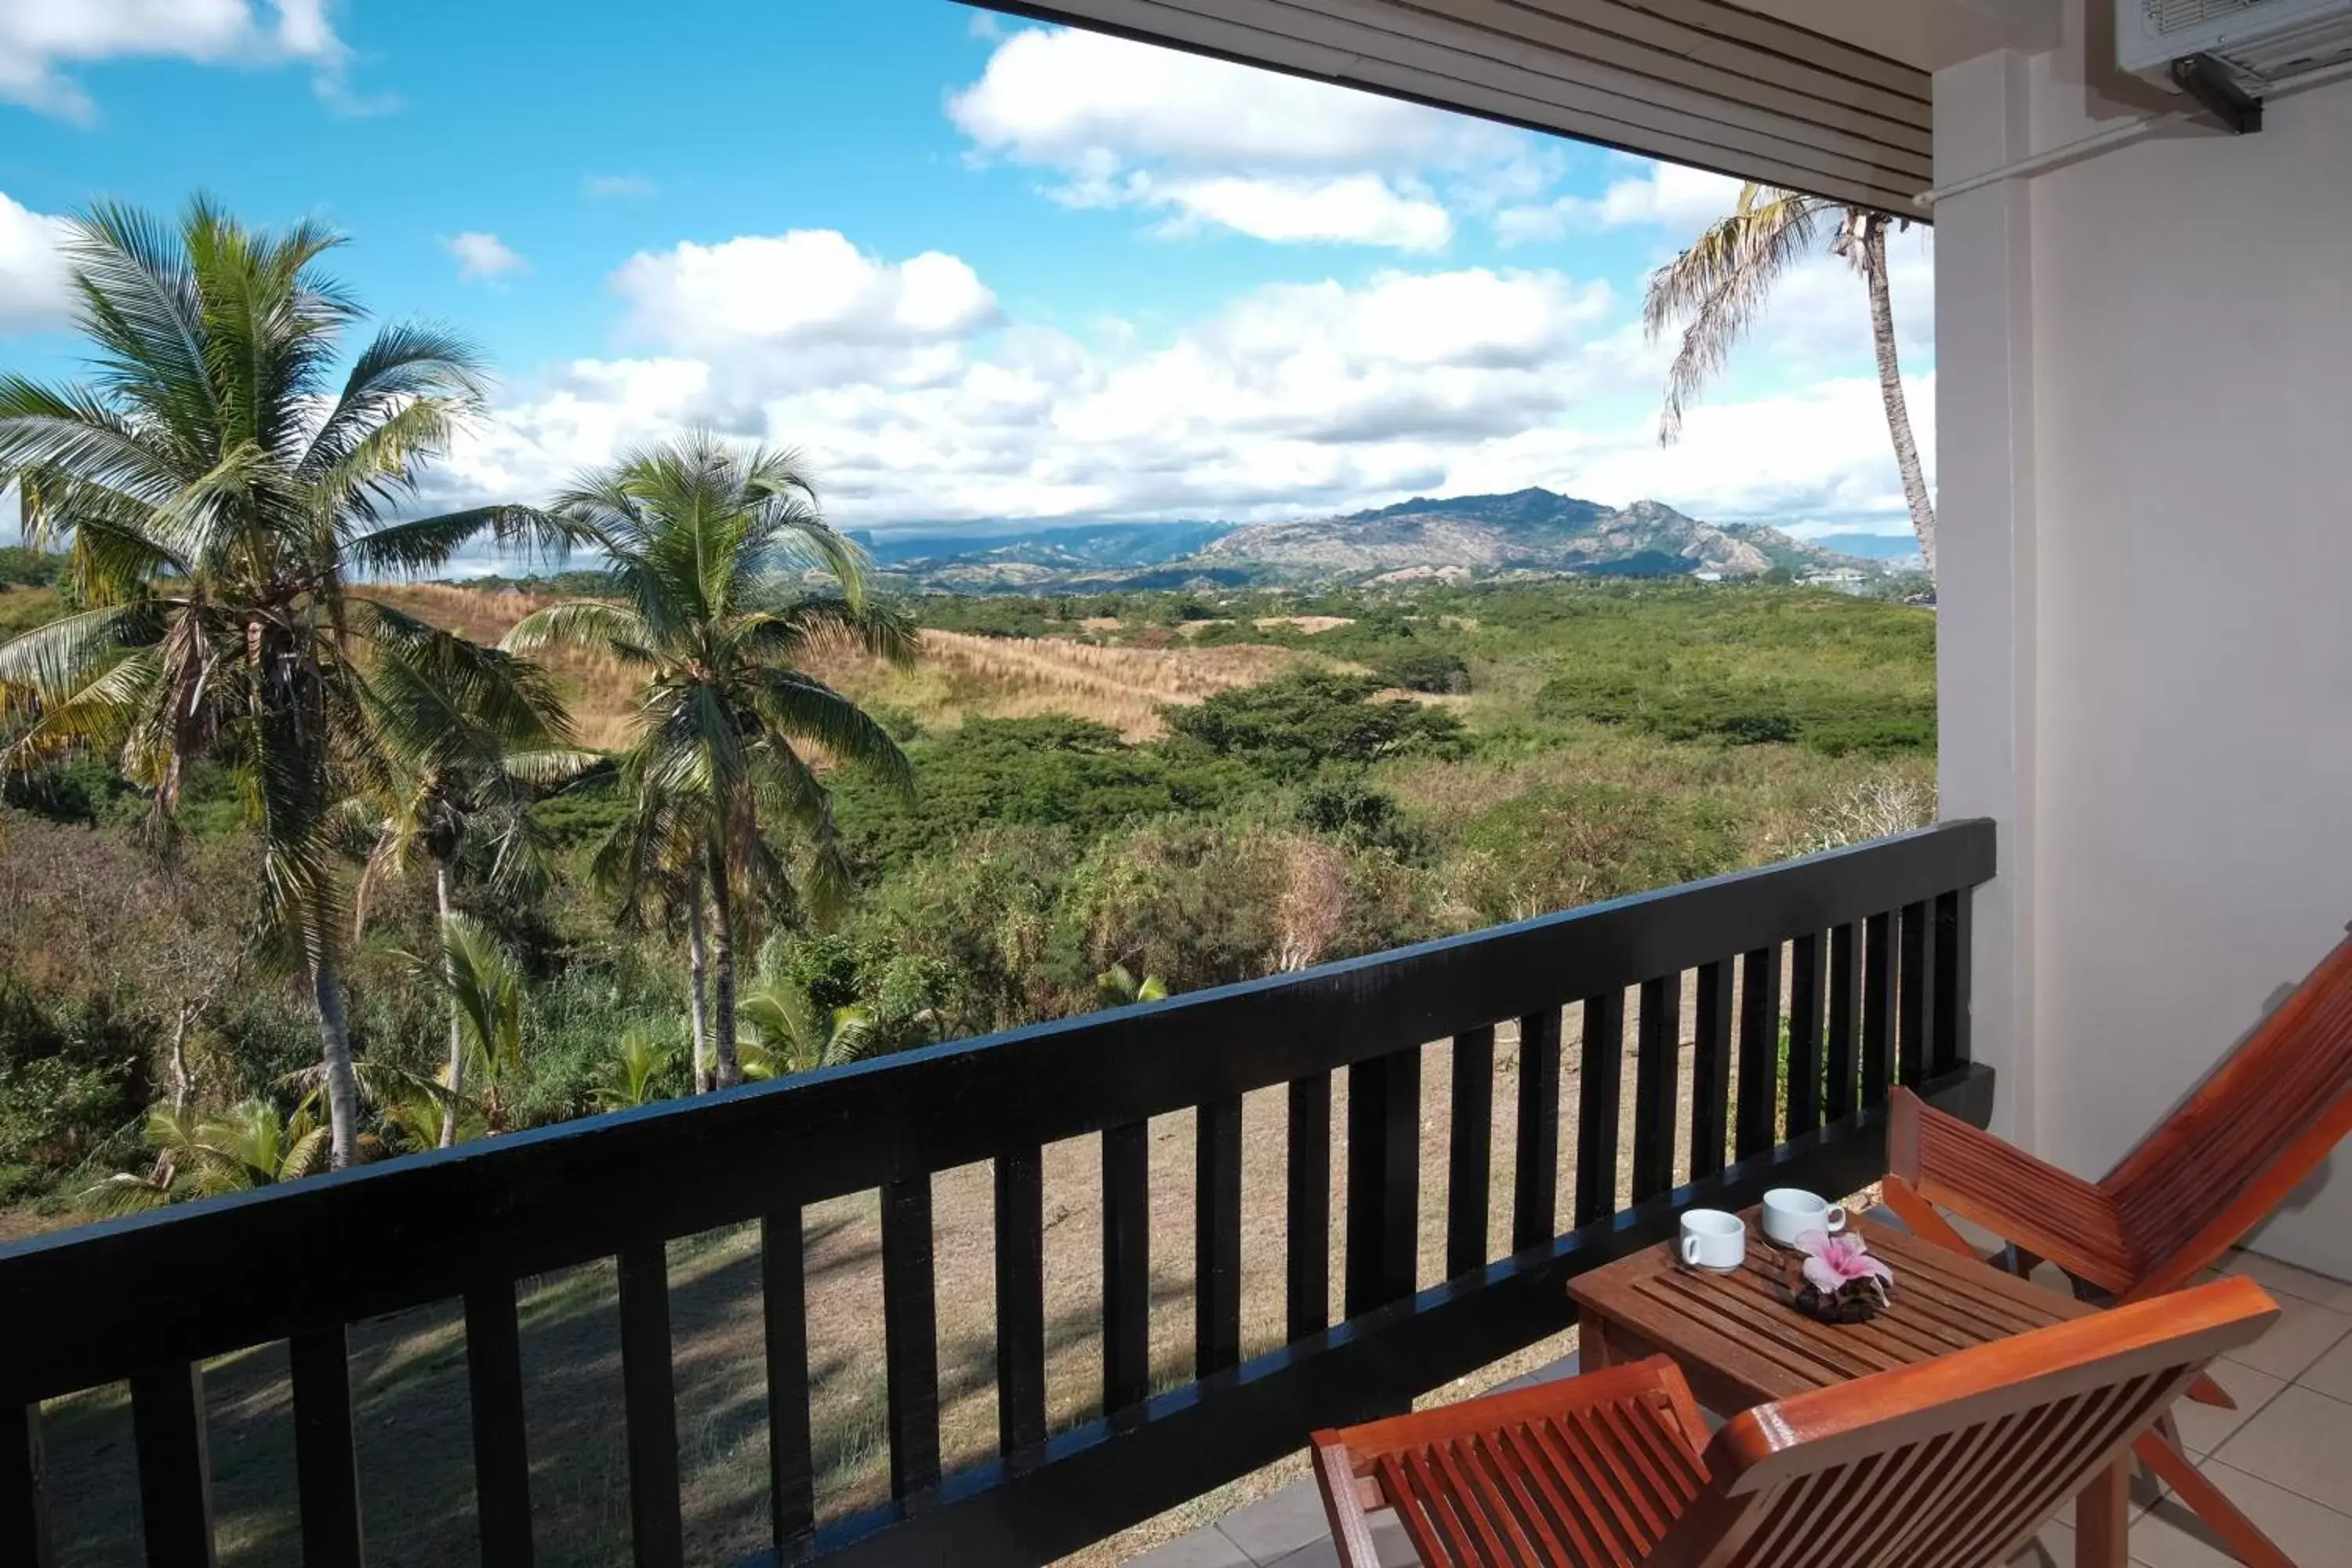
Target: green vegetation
(813,827)
(1615,737)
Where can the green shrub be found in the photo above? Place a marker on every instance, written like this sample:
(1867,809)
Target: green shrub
(1562,846)
(1446,674)
(1289,728)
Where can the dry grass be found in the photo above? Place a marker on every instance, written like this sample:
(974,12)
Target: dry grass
(410,1379)
(1310,625)
(601,692)
(958,676)
(961,676)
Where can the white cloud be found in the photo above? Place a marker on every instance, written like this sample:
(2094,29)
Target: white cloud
(483,257)
(1216,145)
(1357,209)
(610,187)
(915,398)
(807,287)
(1293,396)
(1666,195)
(38,38)
(1816,456)
(34,288)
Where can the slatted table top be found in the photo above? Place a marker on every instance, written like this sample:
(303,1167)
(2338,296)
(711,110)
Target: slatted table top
(1741,1344)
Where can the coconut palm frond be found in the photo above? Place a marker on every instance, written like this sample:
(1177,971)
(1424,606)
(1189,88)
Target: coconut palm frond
(643,1065)
(579,622)
(805,708)
(1719,286)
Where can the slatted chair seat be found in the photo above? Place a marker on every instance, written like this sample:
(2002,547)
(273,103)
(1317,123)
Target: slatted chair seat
(1588,1472)
(1951,1463)
(2267,1118)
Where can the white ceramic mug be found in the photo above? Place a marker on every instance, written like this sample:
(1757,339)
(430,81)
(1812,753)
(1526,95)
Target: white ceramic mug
(1712,1239)
(1791,1212)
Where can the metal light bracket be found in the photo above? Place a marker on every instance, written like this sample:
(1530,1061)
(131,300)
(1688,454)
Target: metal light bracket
(2210,82)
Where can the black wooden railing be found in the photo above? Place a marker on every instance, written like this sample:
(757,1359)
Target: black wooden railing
(1875,942)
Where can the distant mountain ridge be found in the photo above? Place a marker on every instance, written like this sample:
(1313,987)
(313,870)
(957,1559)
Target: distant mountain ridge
(1455,538)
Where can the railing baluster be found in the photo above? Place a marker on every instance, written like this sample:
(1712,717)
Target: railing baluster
(1878,1010)
(326,1461)
(1307,1267)
(1916,992)
(783,1306)
(1807,983)
(1599,1090)
(175,1491)
(1469,1164)
(650,1407)
(1711,1069)
(1127,1265)
(1535,1173)
(1384,1179)
(501,1456)
(910,1355)
(1841,1060)
(1217,1236)
(1021,1301)
(1757,1124)
(23,1492)
(1657,1067)
(1953,965)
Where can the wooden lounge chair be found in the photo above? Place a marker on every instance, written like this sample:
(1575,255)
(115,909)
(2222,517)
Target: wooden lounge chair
(2267,1118)
(1950,1463)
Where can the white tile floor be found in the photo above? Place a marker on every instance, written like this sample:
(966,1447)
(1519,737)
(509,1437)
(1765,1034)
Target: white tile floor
(2284,1456)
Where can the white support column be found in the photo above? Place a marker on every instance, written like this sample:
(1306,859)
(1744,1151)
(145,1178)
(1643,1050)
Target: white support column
(1985,544)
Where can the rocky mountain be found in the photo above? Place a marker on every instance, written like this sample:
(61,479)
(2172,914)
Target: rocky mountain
(1526,530)
(1455,538)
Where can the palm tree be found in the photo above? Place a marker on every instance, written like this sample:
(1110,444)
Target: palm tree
(786,1031)
(635,1075)
(461,786)
(1117,987)
(652,864)
(220,493)
(250,1144)
(1719,286)
(484,986)
(701,540)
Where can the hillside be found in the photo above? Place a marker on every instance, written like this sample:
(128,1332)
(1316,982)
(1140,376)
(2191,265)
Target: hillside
(1456,538)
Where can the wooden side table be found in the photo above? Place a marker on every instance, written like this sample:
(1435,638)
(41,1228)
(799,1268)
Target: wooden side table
(1739,1344)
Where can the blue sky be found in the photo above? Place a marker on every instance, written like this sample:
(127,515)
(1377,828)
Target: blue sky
(971,267)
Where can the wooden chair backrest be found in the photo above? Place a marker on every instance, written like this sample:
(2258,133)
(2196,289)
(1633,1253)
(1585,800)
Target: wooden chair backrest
(2253,1132)
(1954,1462)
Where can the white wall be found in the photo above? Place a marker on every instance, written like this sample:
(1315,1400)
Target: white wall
(2146,468)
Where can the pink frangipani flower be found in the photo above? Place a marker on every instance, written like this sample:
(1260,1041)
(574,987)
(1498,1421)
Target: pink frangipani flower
(1833,1262)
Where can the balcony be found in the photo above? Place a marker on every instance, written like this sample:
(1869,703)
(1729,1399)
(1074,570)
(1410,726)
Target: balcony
(1697,1043)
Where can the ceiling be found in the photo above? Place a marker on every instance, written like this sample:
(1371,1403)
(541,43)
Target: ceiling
(1825,96)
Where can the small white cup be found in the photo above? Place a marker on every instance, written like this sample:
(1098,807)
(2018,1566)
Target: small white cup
(1790,1213)
(1712,1239)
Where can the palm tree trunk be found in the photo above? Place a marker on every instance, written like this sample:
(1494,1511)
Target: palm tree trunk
(335,1052)
(456,1031)
(1890,388)
(182,1080)
(726,1071)
(697,981)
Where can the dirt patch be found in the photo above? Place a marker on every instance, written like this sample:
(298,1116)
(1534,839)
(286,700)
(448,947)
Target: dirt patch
(1310,625)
